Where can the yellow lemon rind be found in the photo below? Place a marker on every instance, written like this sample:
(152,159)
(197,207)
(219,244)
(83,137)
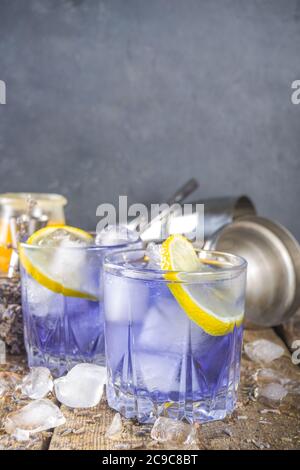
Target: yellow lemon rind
(207,321)
(44,280)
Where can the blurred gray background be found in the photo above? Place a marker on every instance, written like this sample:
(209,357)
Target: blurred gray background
(109,97)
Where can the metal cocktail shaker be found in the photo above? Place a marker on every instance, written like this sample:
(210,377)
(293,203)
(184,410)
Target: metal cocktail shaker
(273,276)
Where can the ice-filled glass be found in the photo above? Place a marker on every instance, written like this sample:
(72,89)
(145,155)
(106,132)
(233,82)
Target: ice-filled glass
(62,300)
(159,360)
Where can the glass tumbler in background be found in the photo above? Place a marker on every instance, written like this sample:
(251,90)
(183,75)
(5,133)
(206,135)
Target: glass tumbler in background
(15,204)
(62,311)
(63,305)
(160,362)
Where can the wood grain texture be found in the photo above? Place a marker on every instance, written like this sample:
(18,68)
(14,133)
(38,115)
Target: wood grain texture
(253,425)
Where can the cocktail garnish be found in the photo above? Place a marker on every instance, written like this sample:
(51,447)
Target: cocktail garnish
(54,266)
(208,308)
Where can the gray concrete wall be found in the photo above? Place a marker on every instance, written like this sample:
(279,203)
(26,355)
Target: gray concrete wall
(109,97)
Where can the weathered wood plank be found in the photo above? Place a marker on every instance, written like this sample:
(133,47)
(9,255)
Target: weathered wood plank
(250,426)
(85,429)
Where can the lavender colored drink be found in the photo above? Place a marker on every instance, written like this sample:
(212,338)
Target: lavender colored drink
(160,362)
(62,298)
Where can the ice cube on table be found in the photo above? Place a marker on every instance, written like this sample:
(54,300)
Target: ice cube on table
(168,430)
(272,392)
(82,387)
(38,383)
(116,235)
(37,416)
(269,376)
(115,428)
(263,351)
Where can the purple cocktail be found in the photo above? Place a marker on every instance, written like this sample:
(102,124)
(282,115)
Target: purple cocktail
(160,361)
(62,299)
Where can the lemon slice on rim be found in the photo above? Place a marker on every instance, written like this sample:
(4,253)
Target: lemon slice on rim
(209,307)
(49,259)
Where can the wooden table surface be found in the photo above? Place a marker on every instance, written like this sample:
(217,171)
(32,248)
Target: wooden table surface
(253,425)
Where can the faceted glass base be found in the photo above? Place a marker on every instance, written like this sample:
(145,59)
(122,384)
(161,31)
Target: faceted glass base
(146,410)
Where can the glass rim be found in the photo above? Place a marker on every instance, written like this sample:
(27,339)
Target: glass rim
(239,264)
(45,198)
(121,247)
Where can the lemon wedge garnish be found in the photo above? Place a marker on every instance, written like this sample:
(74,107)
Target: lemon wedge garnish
(210,307)
(47,259)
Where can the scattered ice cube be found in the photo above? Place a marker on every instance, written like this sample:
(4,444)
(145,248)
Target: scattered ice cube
(116,235)
(82,387)
(263,350)
(270,376)
(267,380)
(272,392)
(38,383)
(21,435)
(175,432)
(39,415)
(115,428)
(153,252)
